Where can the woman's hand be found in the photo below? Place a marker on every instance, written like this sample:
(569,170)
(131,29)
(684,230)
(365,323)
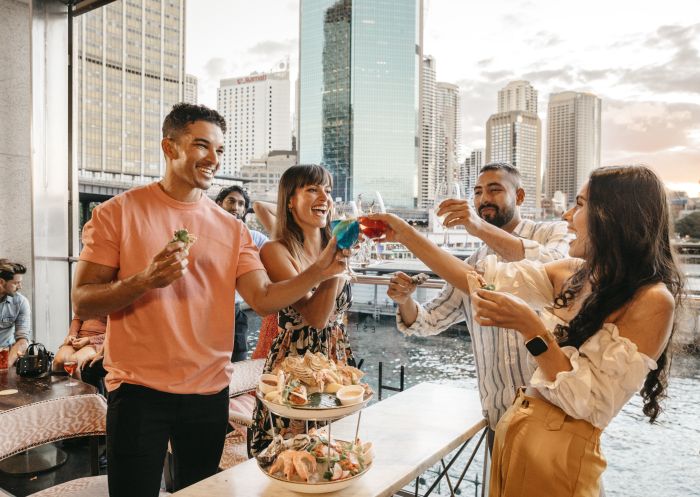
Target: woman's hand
(93,360)
(505,311)
(331,262)
(397,228)
(79,343)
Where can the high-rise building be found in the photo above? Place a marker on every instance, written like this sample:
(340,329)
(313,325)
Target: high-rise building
(428,161)
(515,137)
(448,131)
(256,109)
(359,94)
(470,171)
(517,95)
(191,93)
(130,70)
(573,141)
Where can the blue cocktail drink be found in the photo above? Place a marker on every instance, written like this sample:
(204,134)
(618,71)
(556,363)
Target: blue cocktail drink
(346,232)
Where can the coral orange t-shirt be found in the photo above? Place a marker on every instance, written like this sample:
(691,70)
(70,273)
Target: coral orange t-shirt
(176,339)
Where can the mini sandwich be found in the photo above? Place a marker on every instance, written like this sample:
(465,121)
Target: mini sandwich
(182,235)
(476,282)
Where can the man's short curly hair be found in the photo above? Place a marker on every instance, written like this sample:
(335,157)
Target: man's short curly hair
(183,114)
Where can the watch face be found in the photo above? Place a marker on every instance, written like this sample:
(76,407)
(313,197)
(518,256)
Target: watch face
(536,346)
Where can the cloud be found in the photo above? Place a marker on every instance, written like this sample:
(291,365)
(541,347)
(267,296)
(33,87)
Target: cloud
(680,73)
(484,62)
(562,75)
(496,75)
(216,68)
(544,39)
(272,47)
(650,127)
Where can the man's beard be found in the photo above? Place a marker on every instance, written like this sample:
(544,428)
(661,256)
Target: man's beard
(500,217)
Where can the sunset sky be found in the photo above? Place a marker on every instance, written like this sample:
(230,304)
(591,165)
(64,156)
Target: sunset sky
(642,58)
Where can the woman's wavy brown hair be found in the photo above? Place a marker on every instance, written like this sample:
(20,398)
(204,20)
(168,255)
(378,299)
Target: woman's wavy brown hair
(287,231)
(629,247)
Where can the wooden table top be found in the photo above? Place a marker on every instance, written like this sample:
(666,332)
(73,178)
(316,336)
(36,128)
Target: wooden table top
(31,390)
(410,431)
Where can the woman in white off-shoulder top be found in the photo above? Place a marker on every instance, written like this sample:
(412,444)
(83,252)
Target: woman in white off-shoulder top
(598,326)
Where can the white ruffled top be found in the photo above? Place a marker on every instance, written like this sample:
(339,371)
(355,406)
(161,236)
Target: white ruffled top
(606,371)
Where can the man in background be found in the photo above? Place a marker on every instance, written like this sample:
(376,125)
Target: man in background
(15,313)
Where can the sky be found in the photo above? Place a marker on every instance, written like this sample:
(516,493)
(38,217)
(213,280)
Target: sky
(642,58)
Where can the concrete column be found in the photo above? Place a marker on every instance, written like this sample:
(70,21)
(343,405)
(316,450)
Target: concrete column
(34,164)
(15,137)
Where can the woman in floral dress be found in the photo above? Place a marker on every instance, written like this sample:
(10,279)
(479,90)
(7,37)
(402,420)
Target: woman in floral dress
(315,323)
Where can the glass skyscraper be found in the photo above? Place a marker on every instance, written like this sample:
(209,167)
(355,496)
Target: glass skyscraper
(359,75)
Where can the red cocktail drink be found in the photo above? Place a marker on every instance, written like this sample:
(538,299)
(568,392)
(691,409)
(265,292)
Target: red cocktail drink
(372,228)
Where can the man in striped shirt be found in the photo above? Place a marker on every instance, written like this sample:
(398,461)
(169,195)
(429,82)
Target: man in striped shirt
(499,354)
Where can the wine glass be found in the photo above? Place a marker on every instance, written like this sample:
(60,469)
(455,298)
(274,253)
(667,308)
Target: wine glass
(373,229)
(69,367)
(345,228)
(445,190)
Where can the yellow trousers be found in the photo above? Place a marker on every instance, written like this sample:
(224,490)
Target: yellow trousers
(540,451)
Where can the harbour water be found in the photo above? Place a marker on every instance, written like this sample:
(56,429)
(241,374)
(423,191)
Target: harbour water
(643,460)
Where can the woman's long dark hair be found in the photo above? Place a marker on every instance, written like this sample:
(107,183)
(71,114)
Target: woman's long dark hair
(629,247)
(287,231)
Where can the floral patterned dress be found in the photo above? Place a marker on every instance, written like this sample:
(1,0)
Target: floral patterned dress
(295,339)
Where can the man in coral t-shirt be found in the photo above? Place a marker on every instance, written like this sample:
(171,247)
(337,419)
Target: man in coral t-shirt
(171,308)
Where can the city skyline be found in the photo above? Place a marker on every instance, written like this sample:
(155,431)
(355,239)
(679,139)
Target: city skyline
(646,118)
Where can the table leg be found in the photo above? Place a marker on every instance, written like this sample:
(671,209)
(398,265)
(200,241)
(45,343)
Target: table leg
(36,460)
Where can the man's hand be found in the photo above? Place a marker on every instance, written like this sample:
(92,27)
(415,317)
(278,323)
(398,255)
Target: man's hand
(460,213)
(401,287)
(167,266)
(331,261)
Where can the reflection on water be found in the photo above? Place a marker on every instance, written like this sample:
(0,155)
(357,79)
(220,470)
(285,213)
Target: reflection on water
(643,460)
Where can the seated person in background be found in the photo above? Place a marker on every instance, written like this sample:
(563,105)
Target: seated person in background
(15,313)
(265,212)
(236,201)
(84,341)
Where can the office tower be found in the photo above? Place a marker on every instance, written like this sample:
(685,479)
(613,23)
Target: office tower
(256,109)
(130,60)
(448,131)
(191,93)
(359,98)
(470,171)
(428,163)
(515,137)
(573,141)
(517,95)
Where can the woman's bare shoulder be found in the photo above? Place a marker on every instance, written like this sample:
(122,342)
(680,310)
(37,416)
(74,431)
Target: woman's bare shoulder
(561,270)
(648,318)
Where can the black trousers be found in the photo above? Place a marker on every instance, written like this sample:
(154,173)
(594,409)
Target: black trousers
(141,421)
(240,338)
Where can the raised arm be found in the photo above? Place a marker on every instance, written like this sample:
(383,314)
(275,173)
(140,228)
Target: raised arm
(446,265)
(266,297)
(96,291)
(266,214)
(317,307)
(508,246)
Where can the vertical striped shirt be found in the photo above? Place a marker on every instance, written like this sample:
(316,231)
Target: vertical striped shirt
(499,353)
